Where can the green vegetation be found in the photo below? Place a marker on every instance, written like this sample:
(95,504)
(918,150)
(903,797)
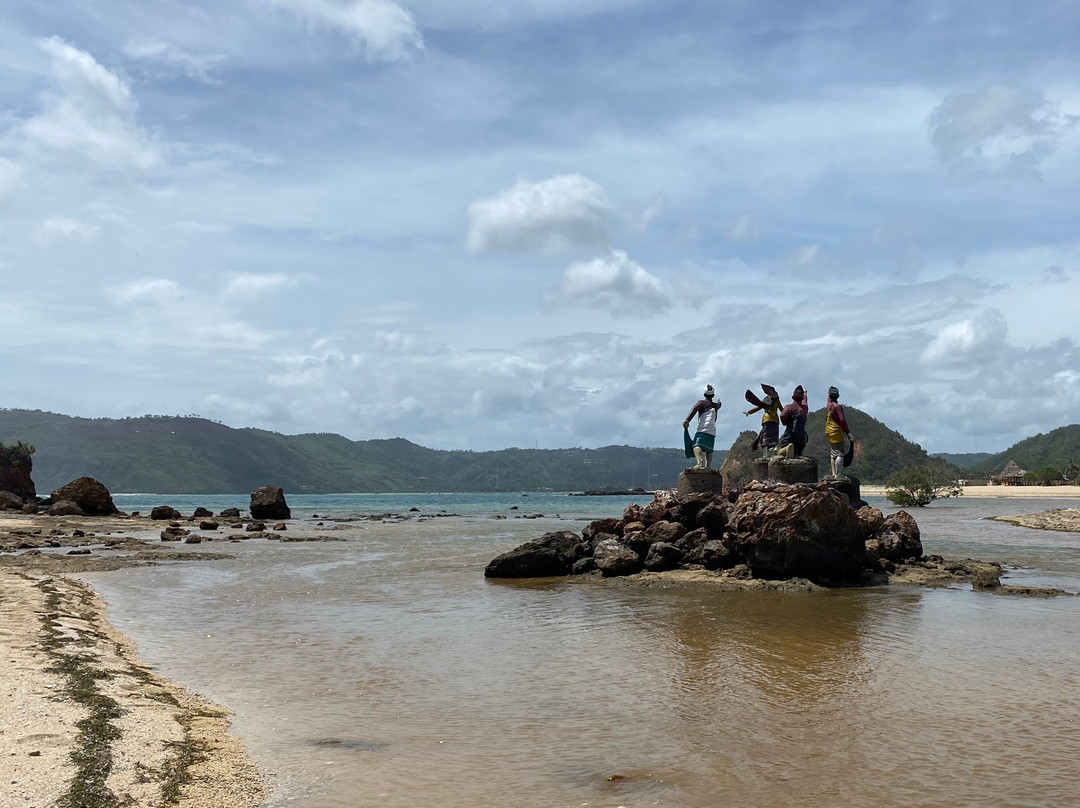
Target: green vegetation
(965,460)
(917,486)
(17,452)
(1047,475)
(1057,448)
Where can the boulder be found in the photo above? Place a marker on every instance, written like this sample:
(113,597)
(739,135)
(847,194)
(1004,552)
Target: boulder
(280,526)
(663,556)
(899,537)
(986,577)
(255,526)
(15,468)
(10,501)
(614,558)
(551,554)
(692,540)
(611,526)
(714,517)
(31,507)
(192,538)
(665,531)
(173,533)
(208,525)
(583,565)
(630,527)
(65,507)
(713,555)
(638,541)
(268,502)
(202,513)
(230,513)
(796,531)
(90,495)
(163,513)
(870,521)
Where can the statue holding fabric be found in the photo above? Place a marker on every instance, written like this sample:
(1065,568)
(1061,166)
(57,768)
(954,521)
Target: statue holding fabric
(700,447)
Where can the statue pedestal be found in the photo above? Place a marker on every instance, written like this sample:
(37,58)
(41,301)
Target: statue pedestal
(845,484)
(783,470)
(700,481)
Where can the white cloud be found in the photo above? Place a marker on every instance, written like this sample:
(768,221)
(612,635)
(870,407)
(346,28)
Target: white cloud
(249,284)
(60,229)
(746,229)
(146,290)
(968,342)
(384,29)
(996,126)
(10,178)
(165,60)
(615,283)
(93,115)
(806,255)
(550,215)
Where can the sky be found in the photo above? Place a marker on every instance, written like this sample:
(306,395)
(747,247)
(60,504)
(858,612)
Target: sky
(545,223)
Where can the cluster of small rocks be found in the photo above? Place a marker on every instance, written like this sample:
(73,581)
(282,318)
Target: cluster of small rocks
(774,530)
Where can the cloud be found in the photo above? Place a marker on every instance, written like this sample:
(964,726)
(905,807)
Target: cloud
(250,284)
(996,127)
(384,29)
(567,210)
(146,290)
(969,342)
(63,229)
(93,115)
(615,283)
(10,178)
(163,60)
(1057,274)
(746,229)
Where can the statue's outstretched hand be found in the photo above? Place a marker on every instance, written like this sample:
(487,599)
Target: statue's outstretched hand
(685,424)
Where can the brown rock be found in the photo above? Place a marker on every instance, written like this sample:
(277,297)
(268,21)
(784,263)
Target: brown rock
(164,513)
(614,558)
(552,554)
(65,507)
(268,502)
(10,501)
(90,495)
(899,537)
(870,521)
(15,468)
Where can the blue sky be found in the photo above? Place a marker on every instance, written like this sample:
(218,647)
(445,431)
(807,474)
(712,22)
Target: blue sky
(489,224)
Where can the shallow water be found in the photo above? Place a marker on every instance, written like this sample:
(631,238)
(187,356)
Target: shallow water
(384,670)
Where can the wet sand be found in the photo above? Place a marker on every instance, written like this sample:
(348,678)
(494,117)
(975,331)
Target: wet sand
(82,720)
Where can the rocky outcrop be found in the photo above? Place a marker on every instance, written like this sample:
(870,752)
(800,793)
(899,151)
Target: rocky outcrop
(899,537)
(551,554)
(774,530)
(164,513)
(268,502)
(230,513)
(90,495)
(10,501)
(202,513)
(15,468)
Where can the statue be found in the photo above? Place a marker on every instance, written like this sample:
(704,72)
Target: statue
(836,429)
(770,419)
(701,445)
(793,417)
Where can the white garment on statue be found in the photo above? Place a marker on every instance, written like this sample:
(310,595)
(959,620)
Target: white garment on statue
(706,421)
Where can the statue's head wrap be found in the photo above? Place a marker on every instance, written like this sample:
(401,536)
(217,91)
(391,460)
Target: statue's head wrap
(798,394)
(709,392)
(833,394)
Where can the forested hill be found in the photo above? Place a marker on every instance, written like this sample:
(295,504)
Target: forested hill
(1056,448)
(879,451)
(171,455)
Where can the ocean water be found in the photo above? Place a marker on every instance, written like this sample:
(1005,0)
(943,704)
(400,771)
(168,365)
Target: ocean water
(384,670)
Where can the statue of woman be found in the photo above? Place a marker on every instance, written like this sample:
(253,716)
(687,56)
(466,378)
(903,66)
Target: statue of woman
(701,445)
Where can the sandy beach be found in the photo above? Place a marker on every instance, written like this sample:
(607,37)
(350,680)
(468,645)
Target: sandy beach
(82,720)
(1001,491)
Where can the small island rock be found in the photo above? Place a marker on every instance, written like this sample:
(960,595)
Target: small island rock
(268,502)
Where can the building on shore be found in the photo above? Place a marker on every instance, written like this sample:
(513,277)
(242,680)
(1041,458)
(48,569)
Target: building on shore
(1012,474)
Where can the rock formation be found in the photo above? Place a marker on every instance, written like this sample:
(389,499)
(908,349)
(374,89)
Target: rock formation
(91,496)
(268,502)
(15,468)
(164,513)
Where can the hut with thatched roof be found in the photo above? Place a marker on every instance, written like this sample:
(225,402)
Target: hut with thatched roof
(1012,474)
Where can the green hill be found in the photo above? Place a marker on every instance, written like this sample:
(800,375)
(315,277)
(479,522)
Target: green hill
(1055,448)
(170,455)
(965,460)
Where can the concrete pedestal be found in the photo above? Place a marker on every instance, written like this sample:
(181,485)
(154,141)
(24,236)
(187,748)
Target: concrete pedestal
(700,481)
(845,484)
(783,470)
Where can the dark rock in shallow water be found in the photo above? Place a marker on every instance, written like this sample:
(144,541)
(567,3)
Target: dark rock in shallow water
(10,501)
(268,502)
(164,513)
(900,538)
(551,554)
(206,525)
(230,513)
(255,527)
(615,558)
(870,522)
(202,513)
(90,495)
(797,531)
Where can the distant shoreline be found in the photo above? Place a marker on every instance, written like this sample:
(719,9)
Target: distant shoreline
(1001,491)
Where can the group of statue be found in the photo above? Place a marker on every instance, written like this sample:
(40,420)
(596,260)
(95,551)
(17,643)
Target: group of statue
(793,417)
